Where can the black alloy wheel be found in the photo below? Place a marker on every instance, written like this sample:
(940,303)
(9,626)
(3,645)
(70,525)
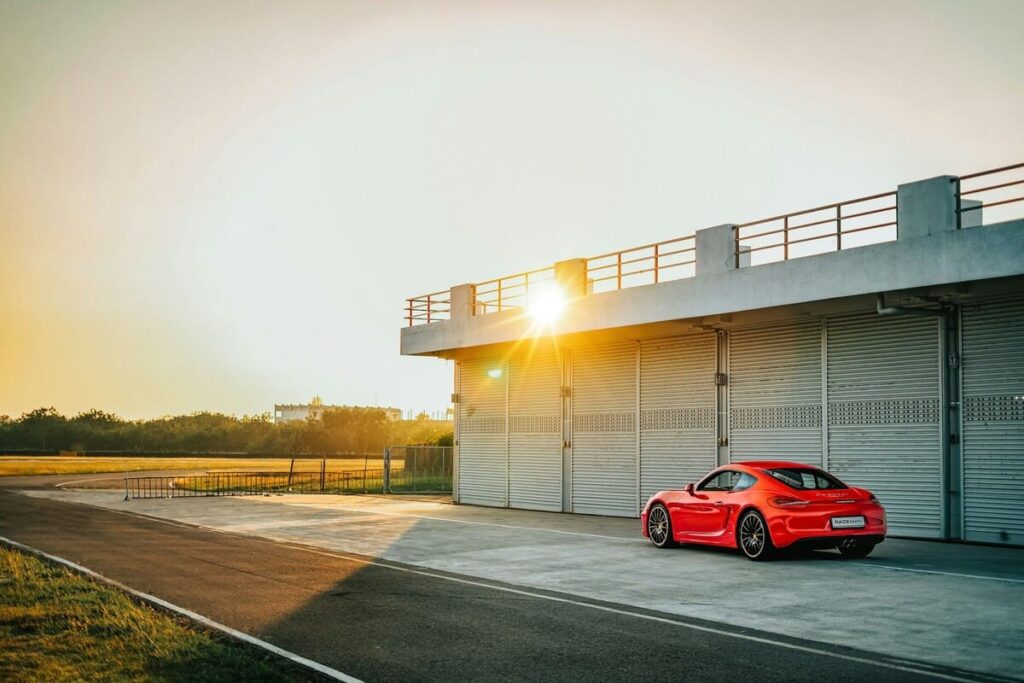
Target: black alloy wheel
(753,537)
(659,527)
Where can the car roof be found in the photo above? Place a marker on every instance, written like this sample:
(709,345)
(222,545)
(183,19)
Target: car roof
(770,464)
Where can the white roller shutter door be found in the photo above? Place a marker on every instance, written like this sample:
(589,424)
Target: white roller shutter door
(677,412)
(775,393)
(993,421)
(604,444)
(483,445)
(535,430)
(884,402)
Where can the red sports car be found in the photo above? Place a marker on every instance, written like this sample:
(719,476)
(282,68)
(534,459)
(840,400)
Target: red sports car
(766,505)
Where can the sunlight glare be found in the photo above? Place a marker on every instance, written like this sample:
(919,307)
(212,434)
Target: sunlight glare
(547,306)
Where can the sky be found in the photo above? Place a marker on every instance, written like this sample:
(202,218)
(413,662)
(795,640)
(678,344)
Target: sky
(222,206)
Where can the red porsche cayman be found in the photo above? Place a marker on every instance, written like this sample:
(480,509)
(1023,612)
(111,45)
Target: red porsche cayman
(763,506)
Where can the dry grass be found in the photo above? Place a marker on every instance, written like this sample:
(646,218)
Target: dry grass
(14,466)
(56,625)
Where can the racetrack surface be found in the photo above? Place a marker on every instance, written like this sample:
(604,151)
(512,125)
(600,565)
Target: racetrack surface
(383,620)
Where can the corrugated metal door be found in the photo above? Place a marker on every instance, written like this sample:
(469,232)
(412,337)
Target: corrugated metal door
(535,430)
(677,412)
(884,398)
(993,429)
(483,443)
(775,393)
(604,444)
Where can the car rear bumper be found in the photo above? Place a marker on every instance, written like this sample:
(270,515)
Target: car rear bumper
(813,525)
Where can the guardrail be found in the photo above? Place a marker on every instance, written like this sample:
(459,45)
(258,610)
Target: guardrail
(997,187)
(833,227)
(428,308)
(511,291)
(216,484)
(647,265)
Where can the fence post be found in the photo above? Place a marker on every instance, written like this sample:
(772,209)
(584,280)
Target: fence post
(385,485)
(323,471)
(126,497)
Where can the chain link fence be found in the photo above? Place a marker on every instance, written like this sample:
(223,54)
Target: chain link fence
(418,469)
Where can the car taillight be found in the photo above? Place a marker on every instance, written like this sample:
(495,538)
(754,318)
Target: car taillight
(786,502)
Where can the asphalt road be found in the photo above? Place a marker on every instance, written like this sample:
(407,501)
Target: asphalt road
(382,621)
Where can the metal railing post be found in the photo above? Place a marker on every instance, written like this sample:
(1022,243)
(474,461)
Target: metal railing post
(785,238)
(839,227)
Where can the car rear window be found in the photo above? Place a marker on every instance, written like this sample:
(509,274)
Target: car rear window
(806,479)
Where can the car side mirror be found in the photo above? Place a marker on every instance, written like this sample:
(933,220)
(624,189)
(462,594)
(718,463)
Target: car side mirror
(689,488)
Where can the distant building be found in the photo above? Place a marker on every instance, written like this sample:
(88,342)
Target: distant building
(290,412)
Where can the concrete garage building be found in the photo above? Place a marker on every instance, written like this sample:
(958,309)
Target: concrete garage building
(881,338)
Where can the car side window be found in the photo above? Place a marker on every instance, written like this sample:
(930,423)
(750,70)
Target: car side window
(723,481)
(745,482)
(727,480)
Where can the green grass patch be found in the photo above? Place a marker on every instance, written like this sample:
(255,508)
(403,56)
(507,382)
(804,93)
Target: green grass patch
(56,625)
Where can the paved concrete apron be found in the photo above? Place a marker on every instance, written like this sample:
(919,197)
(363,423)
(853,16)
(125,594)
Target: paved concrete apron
(958,606)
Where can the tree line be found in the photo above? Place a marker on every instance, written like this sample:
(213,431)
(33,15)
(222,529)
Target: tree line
(340,431)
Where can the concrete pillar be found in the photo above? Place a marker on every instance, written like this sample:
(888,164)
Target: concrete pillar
(462,298)
(715,250)
(926,207)
(971,218)
(571,277)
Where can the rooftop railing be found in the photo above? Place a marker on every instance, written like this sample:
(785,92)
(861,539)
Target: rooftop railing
(997,191)
(832,227)
(428,308)
(647,265)
(511,291)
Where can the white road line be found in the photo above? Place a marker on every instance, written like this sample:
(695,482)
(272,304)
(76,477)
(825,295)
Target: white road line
(209,623)
(82,481)
(980,577)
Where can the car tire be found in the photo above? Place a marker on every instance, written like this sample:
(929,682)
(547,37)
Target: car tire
(855,547)
(659,526)
(753,537)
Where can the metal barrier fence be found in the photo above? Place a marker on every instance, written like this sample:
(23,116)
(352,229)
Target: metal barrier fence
(428,308)
(418,469)
(647,265)
(254,483)
(988,190)
(833,227)
(511,291)
(403,469)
